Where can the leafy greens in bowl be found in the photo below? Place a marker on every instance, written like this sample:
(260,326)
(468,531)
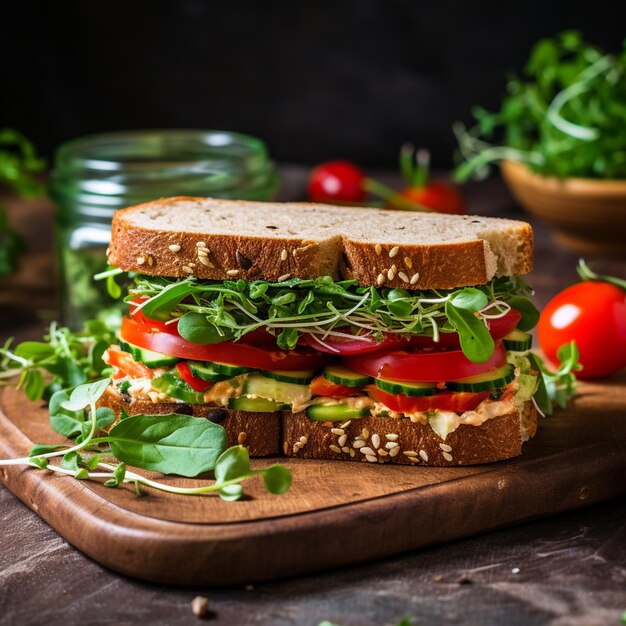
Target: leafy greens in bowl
(563,117)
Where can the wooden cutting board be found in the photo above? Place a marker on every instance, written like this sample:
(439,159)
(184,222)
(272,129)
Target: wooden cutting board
(336,513)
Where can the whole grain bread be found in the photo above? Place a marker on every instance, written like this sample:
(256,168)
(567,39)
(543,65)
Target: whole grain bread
(390,440)
(259,432)
(219,239)
(369,439)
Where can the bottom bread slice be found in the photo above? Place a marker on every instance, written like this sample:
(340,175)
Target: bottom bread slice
(259,432)
(367,439)
(399,440)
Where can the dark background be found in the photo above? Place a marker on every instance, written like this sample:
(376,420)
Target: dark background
(316,80)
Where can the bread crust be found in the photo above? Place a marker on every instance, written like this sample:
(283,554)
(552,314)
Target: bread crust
(294,435)
(488,247)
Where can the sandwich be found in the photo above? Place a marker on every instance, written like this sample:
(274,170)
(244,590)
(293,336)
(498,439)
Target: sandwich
(325,332)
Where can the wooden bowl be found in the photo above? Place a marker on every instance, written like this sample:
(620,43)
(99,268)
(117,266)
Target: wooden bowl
(587,215)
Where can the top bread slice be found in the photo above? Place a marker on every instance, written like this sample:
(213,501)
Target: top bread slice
(215,239)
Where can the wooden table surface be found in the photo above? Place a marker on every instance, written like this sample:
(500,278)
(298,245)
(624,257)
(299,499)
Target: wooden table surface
(562,571)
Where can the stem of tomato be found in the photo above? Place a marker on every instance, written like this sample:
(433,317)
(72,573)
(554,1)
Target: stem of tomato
(586,273)
(422,168)
(392,197)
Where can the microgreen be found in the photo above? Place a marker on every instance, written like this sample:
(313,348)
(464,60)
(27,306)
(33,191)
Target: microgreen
(170,444)
(563,117)
(556,387)
(462,310)
(73,423)
(72,358)
(324,308)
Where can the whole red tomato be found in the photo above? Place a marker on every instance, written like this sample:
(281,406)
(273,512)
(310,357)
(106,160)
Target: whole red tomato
(337,181)
(593,314)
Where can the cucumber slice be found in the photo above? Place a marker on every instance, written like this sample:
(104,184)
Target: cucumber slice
(148,357)
(493,379)
(518,340)
(229,370)
(341,375)
(336,412)
(299,377)
(290,393)
(206,371)
(255,405)
(406,388)
(171,384)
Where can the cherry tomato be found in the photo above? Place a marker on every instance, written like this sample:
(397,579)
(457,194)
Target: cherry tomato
(322,387)
(446,401)
(354,346)
(593,314)
(195,382)
(234,353)
(125,364)
(336,181)
(423,365)
(437,195)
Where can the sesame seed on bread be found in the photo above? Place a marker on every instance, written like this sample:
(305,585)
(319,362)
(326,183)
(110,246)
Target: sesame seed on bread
(295,435)
(216,239)
(373,439)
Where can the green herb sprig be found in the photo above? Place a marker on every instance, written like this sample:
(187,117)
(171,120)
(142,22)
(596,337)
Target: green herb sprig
(209,312)
(70,358)
(19,165)
(563,117)
(556,387)
(170,444)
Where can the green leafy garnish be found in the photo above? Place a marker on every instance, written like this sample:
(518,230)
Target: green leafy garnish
(71,358)
(170,444)
(556,387)
(19,164)
(563,117)
(324,309)
(463,310)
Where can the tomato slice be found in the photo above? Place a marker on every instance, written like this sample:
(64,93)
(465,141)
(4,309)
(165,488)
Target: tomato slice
(125,364)
(499,328)
(320,386)
(259,337)
(234,353)
(195,382)
(445,401)
(422,364)
(150,325)
(340,346)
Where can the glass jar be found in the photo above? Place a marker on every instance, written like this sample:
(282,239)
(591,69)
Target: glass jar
(95,175)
